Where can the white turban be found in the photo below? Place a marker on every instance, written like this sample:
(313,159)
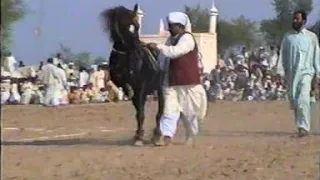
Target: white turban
(181,18)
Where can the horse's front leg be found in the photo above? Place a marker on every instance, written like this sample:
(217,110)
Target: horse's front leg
(138,101)
(157,131)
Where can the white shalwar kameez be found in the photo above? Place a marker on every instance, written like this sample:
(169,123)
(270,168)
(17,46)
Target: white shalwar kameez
(27,93)
(49,78)
(83,78)
(62,82)
(186,102)
(15,96)
(5,91)
(9,64)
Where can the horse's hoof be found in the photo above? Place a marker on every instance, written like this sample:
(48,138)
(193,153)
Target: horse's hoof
(190,141)
(138,143)
(155,139)
(159,143)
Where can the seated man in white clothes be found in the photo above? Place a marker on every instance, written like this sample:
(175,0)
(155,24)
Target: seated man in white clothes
(5,89)
(27,92)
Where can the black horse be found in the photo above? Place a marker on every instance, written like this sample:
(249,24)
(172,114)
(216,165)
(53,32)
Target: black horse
(132,65)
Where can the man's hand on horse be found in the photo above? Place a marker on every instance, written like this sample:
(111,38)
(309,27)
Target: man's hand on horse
(153,46)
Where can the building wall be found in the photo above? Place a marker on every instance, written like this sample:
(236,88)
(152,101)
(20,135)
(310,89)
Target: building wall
(207,44)
(159,39)
(208,48)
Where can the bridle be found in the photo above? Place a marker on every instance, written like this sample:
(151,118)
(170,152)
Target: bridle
(119,52)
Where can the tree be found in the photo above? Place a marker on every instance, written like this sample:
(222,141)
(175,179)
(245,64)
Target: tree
(238,31)
(84,59)
(316,27)
(275,28)
(67,54)
(199,18)
(99,60)
(244,31)
(225,35)
(11,12)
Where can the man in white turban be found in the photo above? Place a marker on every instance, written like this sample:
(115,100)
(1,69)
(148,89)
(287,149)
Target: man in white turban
(185,97)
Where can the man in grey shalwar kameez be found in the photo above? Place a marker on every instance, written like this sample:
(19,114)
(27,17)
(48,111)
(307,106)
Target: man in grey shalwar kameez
(299,63)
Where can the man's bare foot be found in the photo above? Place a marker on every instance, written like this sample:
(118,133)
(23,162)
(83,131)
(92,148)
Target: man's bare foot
(190,141)
(302,132)
(163,141)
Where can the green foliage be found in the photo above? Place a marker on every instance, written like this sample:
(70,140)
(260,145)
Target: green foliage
(244,31)
(99,60)
(235,32)
(275,28)
(225,35)
(316,28)
(199,18)
(11,12)
(83,59)
(67,54)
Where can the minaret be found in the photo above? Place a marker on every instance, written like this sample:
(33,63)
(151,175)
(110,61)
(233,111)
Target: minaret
(161,27)
(213,18)
(140,16)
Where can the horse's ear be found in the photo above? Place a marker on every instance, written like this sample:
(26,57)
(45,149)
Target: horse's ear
(136,7)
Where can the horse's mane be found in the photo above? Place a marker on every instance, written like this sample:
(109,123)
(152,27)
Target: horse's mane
(116,23)
(112,18)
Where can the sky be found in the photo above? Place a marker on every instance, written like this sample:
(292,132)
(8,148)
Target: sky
(75,23)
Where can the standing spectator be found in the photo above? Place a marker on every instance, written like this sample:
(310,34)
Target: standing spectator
(273,58)
(9,63)
(49,78)
(299,63)
(83,77)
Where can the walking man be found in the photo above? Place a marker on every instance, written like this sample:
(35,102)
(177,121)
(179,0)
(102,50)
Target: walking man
(299,63)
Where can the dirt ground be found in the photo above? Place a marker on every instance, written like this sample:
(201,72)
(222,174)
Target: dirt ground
(238,141)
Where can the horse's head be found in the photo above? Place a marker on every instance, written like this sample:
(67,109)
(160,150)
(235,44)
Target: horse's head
(119,21)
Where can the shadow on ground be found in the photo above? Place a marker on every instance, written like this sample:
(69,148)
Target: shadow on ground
(70,142)
(129,142)
(253,134)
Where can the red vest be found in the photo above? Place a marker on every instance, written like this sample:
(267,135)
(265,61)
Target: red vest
(185,69)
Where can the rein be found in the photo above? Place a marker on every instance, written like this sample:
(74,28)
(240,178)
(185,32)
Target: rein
(119,52)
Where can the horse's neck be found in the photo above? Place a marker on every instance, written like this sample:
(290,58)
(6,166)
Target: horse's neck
(127,40)
(119,46)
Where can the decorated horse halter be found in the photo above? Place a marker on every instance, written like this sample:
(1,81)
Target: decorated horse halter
(119,52)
